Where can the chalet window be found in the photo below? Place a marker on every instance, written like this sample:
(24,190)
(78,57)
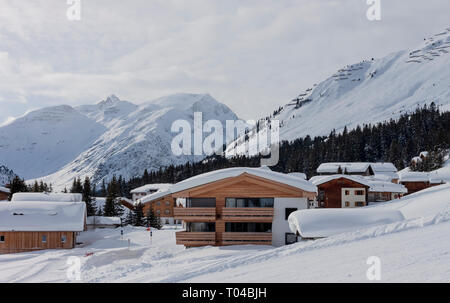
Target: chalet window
(359,203)
(200,227)
(201,202)
(158,212)
(347,204)
(347,192)
(359,192)
(158,203)
(249,202)
(44,239)
(2,238)
(167,212)
(288,211)
(167,203)
(63,238)
(248,227)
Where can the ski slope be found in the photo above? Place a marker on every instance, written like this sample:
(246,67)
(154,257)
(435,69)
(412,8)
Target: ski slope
(413,250)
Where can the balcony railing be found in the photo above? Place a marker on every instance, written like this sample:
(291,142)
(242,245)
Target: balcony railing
(247,214)
(195,238)
(232,238)
(191,214)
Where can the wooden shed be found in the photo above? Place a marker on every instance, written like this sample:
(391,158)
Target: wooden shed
(30,226)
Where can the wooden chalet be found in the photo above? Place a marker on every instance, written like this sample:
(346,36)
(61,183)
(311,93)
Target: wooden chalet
(237,206)
(37,225)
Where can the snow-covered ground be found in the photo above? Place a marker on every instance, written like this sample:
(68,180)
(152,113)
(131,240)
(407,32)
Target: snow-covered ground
(414,250)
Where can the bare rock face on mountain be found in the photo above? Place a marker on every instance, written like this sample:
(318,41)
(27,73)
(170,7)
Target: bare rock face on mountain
(113,137)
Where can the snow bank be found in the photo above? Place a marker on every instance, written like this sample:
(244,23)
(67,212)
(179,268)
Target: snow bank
(320,223)
(47,197)
(42,216)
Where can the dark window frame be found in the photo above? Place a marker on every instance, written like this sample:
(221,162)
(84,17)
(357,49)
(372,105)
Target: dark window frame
(288,211)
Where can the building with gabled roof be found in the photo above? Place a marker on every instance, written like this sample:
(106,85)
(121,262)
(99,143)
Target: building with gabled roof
(238,205)
(37,225)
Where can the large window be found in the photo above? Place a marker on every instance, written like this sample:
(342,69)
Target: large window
(201,202)
(249,202)
(200,227)
(248,227)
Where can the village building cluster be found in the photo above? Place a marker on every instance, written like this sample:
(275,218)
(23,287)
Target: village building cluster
(230,206)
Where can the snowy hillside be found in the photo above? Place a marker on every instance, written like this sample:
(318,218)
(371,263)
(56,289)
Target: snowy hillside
(111,137)
(413,250)
(370,91)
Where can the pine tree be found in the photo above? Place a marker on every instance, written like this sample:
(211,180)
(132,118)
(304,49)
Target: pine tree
(112,207)
(17,185)
(128,219)
(138,215)
(87,197)
(152,220)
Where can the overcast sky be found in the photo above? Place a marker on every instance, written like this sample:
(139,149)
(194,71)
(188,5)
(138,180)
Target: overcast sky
(253,55)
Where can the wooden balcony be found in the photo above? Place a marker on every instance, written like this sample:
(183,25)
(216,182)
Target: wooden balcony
(195,214)
(247,214)
(232,238)
(195,238)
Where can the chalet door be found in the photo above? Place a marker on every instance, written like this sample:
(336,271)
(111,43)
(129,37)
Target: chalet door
(290,238)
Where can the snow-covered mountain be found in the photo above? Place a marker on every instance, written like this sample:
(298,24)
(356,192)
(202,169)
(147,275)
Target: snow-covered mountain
(370,91)
(118,137)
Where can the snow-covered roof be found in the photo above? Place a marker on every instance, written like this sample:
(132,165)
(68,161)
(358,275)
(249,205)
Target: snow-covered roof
(149,187)
(298,175)
(386,176)
(383,167)
(237,171)
(103,220)
(413,176)
(386,187)
(42,216)
(320,223)
(318,180)
(350,167)
(4,190)
(47,197)
(356,167)
(220,174)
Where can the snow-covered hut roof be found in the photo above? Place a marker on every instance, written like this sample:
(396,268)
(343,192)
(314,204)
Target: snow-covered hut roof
(350,167)
(42,216)
(386,187)
(220,174)
(318,180)
(103,220)
(47,197)
(4,190)
(383,167)
(356,167)
(149,187)
(237,171)
(413,176)
(320,223)
(298,175)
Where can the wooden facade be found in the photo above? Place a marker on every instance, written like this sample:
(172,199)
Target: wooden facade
(242,186)
(415,186)
(162,207)
(26,241)
(3,196)
(330,193)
